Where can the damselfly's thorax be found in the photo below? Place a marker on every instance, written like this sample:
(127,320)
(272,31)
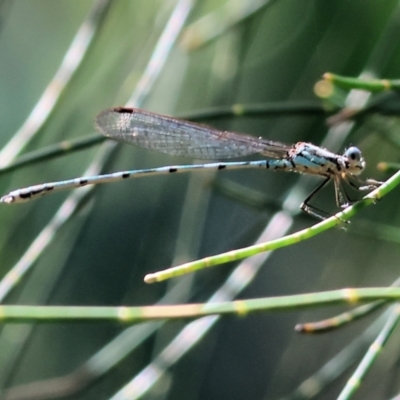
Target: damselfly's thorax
(311,159)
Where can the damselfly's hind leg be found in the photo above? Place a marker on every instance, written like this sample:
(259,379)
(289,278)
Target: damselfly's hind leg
(314,211)
(342,200)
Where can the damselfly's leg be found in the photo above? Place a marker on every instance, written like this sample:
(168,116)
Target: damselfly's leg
(311,210)
(343,199)
(356,183)
(359,184)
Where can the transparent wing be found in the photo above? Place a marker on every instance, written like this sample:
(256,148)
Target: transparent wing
(181,138)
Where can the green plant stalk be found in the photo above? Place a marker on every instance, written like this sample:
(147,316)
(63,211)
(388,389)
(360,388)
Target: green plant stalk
(131,315)
(370,85)
(288,240)
(53,151)
(51,96)
(355,380)
(340,320)
(344,318)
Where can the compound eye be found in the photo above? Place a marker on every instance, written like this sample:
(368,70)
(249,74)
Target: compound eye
(353,154)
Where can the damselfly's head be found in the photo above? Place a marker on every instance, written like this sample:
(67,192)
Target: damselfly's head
(354,160)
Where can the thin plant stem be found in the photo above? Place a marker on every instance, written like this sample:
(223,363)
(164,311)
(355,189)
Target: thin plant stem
(53,151)
(45,106)
(370,85)
(130,315)
(214,24)
(376,347)
(288,240)
(342,319)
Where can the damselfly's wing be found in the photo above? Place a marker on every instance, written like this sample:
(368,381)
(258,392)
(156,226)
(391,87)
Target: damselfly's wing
(181,138)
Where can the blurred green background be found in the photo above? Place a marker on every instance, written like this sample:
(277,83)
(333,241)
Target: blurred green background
(128,229)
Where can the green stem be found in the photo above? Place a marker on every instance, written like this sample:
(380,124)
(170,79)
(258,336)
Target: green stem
(16,314)
(294,238)
(370,85)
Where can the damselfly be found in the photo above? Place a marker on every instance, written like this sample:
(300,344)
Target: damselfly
(182,138)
